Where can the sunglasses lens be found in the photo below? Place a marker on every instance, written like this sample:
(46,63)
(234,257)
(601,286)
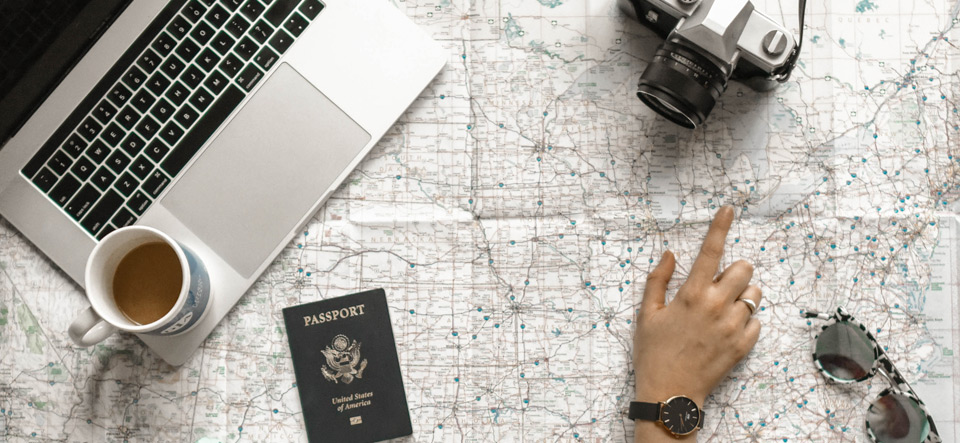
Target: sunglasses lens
(896,418)
(845,352)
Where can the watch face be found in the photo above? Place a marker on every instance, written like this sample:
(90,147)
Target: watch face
(680,415)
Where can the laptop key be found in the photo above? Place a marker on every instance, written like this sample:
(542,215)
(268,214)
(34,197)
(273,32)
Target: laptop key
(118,161)
(194,11)
(74,145)
(64,189)
(245,48)
(163,44)
(156,150)
(126,184)
(45,179)
(157,182)
(281,41)
(171,133)
(208,60)
(279,11)
(249,78)
(172,67)
(157,84)
(142,101)
(83,168)
(162,111)
(223,42)
(185,116)
(104,111)
(178,93)
(202,130)
(98,151)
(295,25)
(128,117)
(139,202)
(261,31)
(216,82)
(141,167)
(123,218)
(113,135)
(187,50)
(252,9)
(231,65)
(148,127)
(179,27)
(266,58)
(202,33)
(81,203)
(119,95)
(60,162)
(192,76)
(89,129)
(237,26)
(133,144)
(311,8)
(134,78)
(201,99)
(103,178)
(98,217)
(149,61)
(217,16)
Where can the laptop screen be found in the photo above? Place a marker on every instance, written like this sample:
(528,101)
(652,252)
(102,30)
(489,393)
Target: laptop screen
(42,40)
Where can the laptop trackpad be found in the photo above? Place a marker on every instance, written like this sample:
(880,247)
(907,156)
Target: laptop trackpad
(265,170)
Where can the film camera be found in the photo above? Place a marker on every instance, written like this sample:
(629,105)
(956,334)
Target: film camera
(706,44)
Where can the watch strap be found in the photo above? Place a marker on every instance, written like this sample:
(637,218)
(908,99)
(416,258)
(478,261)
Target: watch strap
(644,411)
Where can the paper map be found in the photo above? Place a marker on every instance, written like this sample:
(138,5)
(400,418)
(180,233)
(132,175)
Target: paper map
(513,213)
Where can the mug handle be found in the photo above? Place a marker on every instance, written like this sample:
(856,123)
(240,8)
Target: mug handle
(89,329)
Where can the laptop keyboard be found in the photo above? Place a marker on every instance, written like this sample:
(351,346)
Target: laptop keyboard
(160,103)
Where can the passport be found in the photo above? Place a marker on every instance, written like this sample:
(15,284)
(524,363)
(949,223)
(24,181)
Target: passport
(348,375)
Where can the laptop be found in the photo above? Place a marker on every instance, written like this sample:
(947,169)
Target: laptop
(224,123)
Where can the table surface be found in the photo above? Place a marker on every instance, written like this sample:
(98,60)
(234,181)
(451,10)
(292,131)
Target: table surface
(513,213)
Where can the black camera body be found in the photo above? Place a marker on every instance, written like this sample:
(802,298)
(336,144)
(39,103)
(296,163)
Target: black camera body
(706,44)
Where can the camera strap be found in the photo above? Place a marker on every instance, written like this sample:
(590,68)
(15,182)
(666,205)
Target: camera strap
(784,73)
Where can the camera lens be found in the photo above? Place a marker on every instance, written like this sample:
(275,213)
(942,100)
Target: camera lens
(681,84)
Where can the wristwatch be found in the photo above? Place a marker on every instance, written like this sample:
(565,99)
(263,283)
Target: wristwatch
(679,415)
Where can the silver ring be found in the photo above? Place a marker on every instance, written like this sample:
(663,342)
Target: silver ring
(750,305)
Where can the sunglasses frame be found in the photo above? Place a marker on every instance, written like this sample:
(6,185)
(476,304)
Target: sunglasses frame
(881,364)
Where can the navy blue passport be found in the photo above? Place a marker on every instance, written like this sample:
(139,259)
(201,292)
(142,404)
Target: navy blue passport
(348,375)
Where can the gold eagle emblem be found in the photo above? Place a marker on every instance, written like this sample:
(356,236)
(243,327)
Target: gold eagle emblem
(342,360)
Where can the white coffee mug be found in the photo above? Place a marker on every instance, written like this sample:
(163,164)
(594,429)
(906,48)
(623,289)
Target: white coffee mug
(103,317)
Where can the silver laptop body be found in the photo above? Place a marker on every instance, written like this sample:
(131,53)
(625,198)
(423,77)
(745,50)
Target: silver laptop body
(306,122)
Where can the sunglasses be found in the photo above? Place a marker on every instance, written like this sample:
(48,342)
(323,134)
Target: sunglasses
(846,353)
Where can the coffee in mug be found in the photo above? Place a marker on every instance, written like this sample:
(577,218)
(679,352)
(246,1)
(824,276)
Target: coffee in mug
(147,282)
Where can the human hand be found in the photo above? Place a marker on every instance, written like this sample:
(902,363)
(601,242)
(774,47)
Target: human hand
(688,346)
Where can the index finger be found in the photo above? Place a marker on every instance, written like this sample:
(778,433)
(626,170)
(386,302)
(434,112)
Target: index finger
(705,267)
